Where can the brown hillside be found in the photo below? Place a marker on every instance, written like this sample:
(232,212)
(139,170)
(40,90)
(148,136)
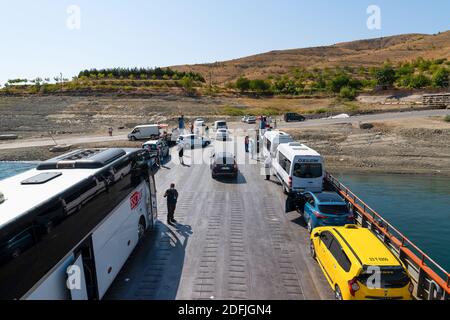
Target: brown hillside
(366,53)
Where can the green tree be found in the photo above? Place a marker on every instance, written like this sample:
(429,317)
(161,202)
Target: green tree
(441,78)
(338,82)
(385,76)
(188,85)
(259,85)
(420,81)
(243,84)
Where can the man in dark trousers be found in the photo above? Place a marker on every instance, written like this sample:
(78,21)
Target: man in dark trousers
(246,142)
(172,197)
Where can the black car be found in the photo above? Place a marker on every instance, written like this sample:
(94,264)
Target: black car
(223,164)
(292,116)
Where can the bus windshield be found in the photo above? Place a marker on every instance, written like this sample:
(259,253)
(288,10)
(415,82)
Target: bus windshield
(308,170)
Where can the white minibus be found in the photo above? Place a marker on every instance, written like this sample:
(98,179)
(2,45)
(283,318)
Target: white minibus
(271,141)
(299,168)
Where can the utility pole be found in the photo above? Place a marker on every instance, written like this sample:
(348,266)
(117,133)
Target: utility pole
(61,81)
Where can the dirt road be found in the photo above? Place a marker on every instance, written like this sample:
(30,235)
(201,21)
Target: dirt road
(368,118)
(79,139)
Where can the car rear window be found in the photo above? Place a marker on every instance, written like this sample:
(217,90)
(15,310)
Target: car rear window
(390,277)
(334,209)
(225,161)
(151,146)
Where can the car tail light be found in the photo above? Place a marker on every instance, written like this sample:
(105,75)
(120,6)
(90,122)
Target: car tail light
(353,286)
(290,182)
(318,215)
(411,288)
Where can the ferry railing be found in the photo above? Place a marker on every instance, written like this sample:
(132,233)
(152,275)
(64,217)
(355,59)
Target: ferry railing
(431,281)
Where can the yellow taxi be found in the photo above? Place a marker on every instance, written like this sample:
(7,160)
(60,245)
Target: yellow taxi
(358,265)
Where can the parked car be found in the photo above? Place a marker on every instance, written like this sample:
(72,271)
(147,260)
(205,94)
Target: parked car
(292,116)
(325,209)
(191,141)
(200,122)
(222,135)
(223,164)
(244,118)
(251,120)
(221,124)
(358,265)
(154,145)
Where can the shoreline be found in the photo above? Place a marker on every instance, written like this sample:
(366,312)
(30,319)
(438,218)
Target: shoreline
(39,154)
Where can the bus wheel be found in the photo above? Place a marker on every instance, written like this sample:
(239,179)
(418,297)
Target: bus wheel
(141,228)
(337,293)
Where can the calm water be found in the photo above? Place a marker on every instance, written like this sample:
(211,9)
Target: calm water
(418,206)
(8,169)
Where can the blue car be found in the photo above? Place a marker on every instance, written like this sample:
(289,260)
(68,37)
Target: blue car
(325,209)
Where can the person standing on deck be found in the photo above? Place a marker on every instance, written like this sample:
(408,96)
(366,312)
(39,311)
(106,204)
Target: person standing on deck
(181,124)
(181,152)
(172,198)
(267,167)
(246,142)
(251,147)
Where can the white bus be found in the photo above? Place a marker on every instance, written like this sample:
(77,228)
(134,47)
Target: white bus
(299,168)
(71,219)
(271,141)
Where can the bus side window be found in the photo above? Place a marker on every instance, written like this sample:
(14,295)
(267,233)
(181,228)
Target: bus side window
(49,217)
(18,257)
(16,243)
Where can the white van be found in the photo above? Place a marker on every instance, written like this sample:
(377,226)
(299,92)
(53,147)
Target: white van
(299,168)
(221,124)
(144,132)
(271,141)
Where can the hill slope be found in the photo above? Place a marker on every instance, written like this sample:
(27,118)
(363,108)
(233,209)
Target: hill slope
(366,53)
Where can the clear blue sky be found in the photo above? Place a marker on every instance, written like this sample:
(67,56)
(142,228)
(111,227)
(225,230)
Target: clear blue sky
(35,41)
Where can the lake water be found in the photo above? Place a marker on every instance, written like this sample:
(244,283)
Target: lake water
(8,169)
(417,205)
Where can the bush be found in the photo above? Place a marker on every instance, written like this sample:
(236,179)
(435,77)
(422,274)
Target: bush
(348,93)
(447,118)
(420,81)
(441,78)
(260,86)
(385,76)
(243,84)
(338,82)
